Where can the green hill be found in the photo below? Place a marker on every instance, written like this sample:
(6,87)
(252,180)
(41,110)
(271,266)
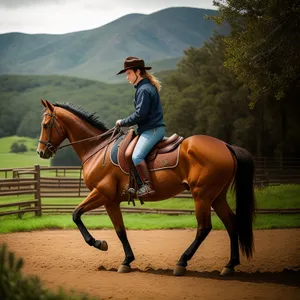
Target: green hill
(99,53)
(20,106)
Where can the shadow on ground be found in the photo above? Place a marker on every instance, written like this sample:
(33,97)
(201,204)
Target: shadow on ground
(285,277)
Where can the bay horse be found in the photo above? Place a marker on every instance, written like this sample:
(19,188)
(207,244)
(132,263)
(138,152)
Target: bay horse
(207,167)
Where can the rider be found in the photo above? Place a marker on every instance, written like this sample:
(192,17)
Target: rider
(148,116)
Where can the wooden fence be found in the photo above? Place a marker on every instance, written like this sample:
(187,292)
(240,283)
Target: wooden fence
(67,182)
(19,186)
(69,208)
(270,171)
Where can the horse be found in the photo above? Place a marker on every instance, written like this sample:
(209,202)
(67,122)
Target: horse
(207,167)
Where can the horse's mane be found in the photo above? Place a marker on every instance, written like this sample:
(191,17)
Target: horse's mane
(77,110)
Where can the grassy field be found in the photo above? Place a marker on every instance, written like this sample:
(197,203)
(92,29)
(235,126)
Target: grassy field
(6,142)
(18,160)
(285,196)
(135,222)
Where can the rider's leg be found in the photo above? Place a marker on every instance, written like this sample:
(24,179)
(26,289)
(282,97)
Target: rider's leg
(147,140)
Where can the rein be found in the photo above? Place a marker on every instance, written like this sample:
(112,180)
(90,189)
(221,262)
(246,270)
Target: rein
(53,149)
(112,130)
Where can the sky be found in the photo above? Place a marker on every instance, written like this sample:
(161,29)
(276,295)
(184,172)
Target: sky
(63,16)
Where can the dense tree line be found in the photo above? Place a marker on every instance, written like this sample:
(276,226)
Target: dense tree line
(243,88)
(204,97)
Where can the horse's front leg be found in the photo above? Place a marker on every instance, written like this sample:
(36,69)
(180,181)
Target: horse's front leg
(92,201)
(114,212)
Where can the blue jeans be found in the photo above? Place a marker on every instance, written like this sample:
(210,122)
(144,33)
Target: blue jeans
(146,142)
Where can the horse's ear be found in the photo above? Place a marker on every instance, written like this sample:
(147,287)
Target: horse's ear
(50,105)
(43,102)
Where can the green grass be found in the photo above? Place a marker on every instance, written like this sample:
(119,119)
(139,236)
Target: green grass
(280,196)
(6,142)
(135,222)
(19,160)
(285,196)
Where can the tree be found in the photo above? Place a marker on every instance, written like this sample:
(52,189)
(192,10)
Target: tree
(203,97)
(263,52)
(17,147)
(263,47)
(66,157)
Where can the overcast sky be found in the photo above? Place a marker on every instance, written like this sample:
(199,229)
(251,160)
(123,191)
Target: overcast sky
(62,16)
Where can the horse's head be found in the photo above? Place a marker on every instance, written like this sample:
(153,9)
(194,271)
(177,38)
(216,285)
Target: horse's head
(52,133)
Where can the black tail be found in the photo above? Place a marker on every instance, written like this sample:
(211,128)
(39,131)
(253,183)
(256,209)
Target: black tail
(245,199)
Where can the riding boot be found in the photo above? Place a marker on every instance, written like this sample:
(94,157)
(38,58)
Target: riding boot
(146,188)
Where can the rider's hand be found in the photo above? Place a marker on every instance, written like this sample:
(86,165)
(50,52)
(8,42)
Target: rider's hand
(118,123)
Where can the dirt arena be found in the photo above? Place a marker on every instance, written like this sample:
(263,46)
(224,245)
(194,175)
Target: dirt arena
(61,258)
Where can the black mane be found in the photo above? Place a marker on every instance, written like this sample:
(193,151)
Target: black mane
(91,118)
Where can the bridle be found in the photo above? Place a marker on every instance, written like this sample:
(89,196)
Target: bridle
(53,125)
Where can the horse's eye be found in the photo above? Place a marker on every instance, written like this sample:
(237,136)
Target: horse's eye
(45,126)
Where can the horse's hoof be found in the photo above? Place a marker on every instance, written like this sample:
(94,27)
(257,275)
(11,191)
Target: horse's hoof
(179,271)
(227,272)
(124,269)
(101,245)
(104,246)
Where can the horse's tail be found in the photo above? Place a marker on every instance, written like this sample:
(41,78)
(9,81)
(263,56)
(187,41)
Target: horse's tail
(245,199)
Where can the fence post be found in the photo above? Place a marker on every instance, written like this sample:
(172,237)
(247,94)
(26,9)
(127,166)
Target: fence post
(37,177)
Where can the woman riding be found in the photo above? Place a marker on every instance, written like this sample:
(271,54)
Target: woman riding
(148,116)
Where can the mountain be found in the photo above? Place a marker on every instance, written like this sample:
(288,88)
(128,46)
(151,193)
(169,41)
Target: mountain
(160,38)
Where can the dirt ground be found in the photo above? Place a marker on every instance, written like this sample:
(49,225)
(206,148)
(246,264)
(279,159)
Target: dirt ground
(62,258)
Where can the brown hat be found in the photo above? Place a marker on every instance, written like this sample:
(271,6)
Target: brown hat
(132,62)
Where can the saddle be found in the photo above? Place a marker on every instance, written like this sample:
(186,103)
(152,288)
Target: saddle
(164,155)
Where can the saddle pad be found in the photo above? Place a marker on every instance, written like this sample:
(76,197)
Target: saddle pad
(162,161)
(114,150)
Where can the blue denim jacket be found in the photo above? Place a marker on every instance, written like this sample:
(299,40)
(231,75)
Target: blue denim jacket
(148,112)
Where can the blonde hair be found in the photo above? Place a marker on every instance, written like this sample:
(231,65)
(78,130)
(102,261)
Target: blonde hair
(152,79)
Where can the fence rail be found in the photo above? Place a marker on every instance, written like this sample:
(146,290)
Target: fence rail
(67,182)
(69,208)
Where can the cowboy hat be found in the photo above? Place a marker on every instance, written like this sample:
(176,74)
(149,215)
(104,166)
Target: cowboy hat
(132,62)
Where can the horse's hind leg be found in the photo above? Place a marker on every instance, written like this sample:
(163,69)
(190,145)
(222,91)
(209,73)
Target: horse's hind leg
(203,215)
(114,212)
(92,201)
(227,216)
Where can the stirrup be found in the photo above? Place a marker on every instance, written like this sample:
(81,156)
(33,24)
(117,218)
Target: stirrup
(144,190)
(131,191)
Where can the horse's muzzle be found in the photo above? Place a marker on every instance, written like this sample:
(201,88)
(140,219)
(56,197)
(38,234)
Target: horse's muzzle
(44,155)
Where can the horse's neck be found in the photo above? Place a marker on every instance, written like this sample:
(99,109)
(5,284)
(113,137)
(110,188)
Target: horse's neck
(76,130)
